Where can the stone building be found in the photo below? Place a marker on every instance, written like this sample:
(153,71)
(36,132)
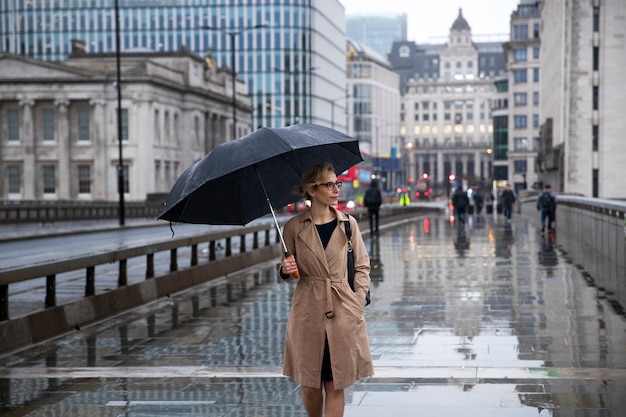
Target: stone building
(59,123)
(583,97)
(446,122)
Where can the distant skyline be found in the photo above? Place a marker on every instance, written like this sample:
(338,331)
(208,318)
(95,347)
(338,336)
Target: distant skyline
(429,21)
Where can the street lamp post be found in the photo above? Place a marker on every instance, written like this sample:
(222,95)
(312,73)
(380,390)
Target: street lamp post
(233,63)
(120,163)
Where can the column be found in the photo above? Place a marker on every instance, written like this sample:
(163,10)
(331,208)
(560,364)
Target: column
(440,174)
(464,165)
(64,150)
(477,171)
(27,137)
(101,165)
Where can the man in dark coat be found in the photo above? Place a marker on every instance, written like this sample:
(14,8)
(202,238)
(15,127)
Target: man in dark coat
(373,200)
(508,199)
(460,201)
(546,203)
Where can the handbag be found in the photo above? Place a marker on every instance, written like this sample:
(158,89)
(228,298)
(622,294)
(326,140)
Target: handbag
(351,263)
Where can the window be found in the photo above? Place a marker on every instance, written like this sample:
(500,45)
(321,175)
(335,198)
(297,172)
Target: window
(519,55)
(84,179)
(596,58)
(447,105)
(49,179)
(83,124)
(535,30)
(520,122)
(416,117)
(425,117)
(416,106)
(125,124)
(125,177)
(519,76)
(47,116)
(536,75)
(446,116)
(535,120)
(596,97)
(536,98)
(520,99)
(404,51)
(520,144)
(520,31)
(425,105)
(536,143)
(594,138)
(596,19)
(519,167)
(536,52)
(14,175)
(13,121)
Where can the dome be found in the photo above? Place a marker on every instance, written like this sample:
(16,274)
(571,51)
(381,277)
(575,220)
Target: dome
(460,24)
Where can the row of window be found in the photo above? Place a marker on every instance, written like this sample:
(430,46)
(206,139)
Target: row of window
(48,179)
(521,121)
(447,104)
(521,99)
(460,129)
(48,118)
(520,31)
(458,117)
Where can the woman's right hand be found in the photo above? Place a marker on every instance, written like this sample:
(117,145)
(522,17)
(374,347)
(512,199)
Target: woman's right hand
(289,266)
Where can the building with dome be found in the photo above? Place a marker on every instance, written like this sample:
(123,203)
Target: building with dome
(446,126)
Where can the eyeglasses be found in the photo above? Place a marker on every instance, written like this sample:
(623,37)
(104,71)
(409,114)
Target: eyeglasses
(330,185)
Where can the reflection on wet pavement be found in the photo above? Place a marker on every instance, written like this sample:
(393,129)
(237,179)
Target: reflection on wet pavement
(484,320)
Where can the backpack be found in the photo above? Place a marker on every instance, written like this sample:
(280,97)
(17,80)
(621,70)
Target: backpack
(546,201)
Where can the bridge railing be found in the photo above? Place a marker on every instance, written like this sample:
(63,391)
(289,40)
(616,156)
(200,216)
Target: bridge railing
(166,266)
(592,232)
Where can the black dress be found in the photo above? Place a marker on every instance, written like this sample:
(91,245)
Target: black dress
(325,231)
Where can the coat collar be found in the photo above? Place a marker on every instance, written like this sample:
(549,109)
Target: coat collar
(310,237)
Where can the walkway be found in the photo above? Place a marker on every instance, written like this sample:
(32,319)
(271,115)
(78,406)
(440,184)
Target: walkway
(496,324)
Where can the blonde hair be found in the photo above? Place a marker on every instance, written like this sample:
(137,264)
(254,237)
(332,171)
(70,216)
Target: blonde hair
(312,176)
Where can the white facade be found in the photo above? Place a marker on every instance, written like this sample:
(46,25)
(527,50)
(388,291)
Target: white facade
(59,129)
(523,65)
(583,96)
(447,120)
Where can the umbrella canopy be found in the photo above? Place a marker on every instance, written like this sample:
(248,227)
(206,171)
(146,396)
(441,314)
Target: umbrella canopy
(232,184)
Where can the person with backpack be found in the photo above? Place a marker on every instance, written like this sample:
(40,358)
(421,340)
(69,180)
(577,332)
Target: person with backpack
(546,203)
(478,201)
(460,201)
(508,199)
(373,200)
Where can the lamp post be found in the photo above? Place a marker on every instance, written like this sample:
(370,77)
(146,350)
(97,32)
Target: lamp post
(120,163)
(233,63)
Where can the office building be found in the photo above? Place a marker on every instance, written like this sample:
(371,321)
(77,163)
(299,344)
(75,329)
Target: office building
(514,159)
(446,119)
(377,32)
(289,54)
(374,100)
(583,97)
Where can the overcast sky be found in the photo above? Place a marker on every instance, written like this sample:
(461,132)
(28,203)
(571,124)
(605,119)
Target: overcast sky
(433,18)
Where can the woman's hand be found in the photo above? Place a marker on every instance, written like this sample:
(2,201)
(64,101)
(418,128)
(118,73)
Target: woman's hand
(289,266)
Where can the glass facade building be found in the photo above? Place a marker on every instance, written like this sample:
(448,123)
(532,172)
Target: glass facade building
(290,53)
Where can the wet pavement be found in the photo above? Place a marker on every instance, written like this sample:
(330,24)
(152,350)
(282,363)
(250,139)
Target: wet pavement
(489,320)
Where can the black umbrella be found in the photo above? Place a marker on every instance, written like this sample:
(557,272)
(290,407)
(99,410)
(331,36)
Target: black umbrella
(240,180)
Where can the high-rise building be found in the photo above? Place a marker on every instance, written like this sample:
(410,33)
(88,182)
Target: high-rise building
(514,160)
(290,54)
(377,32)
(583,97)
(374,101)
(445,109)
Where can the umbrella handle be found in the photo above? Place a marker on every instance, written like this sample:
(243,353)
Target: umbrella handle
(296,274)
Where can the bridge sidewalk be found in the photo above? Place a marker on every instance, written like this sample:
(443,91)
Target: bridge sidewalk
(489,320)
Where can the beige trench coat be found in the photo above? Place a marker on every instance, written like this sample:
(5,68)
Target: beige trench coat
(323,287)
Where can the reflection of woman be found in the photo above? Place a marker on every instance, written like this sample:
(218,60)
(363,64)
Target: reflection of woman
(326,345)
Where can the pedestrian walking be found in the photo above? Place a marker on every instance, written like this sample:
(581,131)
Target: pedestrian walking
(373,200)
(460,201)
(326,343)
(478,201)
(507,199)
(546,204)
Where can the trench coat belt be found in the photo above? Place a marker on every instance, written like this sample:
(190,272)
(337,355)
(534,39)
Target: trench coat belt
(329,296)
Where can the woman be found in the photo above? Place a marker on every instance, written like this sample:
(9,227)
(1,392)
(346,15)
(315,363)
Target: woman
(326,345)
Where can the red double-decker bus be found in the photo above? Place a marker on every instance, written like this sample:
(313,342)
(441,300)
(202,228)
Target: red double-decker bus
(355,181)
